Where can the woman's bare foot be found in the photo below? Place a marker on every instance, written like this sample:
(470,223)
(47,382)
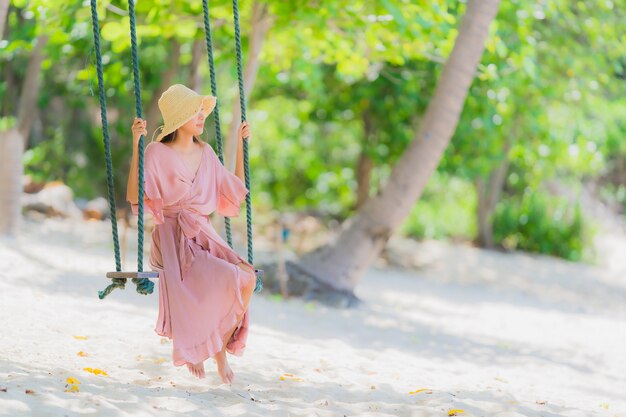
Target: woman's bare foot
(197,369)
(223,368)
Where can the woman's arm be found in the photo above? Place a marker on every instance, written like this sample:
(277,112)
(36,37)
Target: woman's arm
(244,131)
(132,188)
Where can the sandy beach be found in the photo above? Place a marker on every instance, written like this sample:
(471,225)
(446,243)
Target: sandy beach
(462,331)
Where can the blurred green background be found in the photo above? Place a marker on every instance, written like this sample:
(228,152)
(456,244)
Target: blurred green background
(339,92)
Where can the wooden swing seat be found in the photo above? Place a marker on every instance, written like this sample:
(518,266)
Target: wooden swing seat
(132,274)
(152,274)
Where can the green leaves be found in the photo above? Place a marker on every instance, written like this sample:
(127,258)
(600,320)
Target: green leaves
(395,11)
(116,30)
(536,222)
(343,78)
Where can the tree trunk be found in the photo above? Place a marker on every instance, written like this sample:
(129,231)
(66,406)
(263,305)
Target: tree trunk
(197,53)
(488,193)
(363,175)
(13,142)
(261,22)
(11,149)
(153,115)
(4,12)
(364,164)
(27,109)
(339,266)
(483,216)
(6,102)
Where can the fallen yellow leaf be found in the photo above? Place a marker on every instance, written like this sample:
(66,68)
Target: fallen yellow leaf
(291,377)
(455,412)
(71,380)
(96,371)
(81,353)
(81,337)
(417,391)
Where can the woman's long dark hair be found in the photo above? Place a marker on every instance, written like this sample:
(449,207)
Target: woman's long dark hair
(171,136)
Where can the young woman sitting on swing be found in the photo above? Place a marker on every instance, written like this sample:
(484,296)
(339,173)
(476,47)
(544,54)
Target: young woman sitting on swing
(204,286)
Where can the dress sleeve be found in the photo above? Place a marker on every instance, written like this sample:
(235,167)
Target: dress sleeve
(231,191)
(153,201)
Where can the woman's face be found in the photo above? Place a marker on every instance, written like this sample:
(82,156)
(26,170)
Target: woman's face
(195,126)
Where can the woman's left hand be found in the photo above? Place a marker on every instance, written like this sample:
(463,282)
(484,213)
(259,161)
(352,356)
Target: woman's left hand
(244,130)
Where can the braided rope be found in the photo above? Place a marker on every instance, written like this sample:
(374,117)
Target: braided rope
(218,129)
(144,285)
(117,282)
(242,104)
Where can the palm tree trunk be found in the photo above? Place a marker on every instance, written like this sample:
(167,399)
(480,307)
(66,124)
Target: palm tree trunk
(339,266)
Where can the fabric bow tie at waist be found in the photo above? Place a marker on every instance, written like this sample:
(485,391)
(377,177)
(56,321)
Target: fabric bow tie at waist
(190,223)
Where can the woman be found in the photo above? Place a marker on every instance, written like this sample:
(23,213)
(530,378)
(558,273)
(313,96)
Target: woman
(204,286)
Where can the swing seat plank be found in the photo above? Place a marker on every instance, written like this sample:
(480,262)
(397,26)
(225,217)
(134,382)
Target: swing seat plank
(152,274)
(133,274)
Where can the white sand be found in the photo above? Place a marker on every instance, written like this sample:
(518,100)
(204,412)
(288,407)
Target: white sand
(491,334)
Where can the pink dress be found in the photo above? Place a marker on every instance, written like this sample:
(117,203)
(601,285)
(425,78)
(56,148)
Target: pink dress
(200,288)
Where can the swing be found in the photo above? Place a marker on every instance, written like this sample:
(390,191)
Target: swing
(142,278)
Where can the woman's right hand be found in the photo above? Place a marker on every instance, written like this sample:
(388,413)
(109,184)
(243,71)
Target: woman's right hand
(139,128)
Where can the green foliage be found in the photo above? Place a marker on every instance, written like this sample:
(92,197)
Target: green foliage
(339,79)
(614,195)
(6,123)
(446,210)
(47,161)
(537,222)
(302,163)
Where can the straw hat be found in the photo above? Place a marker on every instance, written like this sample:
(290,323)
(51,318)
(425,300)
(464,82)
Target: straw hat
(178,105)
